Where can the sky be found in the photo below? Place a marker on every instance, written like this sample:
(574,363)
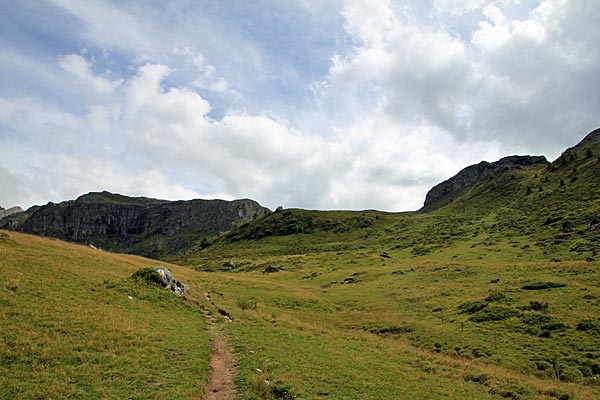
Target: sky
(318,104)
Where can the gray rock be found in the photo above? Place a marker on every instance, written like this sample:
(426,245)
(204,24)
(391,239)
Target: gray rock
(11,211)
(168,281)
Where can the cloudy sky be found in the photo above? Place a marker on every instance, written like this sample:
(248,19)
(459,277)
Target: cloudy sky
(326,104)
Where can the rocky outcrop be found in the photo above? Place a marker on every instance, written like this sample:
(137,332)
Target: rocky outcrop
(149,227)
(169,282)
(11,211)
(474,174)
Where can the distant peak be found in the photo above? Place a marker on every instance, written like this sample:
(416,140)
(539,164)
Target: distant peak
(473,174)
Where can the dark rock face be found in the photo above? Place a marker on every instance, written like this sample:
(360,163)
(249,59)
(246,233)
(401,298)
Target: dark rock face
(149,227)
(11,211)
(477,173)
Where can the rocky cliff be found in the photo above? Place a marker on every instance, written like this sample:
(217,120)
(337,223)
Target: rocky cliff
(11,211)
(444,192)
(148,227)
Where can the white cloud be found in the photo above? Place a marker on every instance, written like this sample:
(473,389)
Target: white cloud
(411,93)
(158,134)
(82,69)
(501,83)
(458,7)
(111,27)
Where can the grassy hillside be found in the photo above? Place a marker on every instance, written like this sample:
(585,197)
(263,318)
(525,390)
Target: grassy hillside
(74,326)
(361,326)
(496,294)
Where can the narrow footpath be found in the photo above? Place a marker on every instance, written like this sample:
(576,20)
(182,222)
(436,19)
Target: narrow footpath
(221,385)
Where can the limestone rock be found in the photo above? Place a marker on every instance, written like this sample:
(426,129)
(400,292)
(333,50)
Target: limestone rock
(168,281)
(11,211)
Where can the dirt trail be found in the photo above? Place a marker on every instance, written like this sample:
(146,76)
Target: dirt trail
(220,384)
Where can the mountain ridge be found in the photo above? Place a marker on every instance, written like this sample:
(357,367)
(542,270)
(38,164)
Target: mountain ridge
(138,225)
(162,228)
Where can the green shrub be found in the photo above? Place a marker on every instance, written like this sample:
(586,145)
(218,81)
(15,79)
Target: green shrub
(146,276)
(537,319)
(494,313)
(538,306)
(495,296)
(247,304)
(571,374)
(387,330)
(418,251)
(554,326)
(543,285)
(477,378)
(472,307)
(588,325)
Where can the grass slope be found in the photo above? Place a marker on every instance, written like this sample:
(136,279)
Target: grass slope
(494,295)
(401,330)
(69,329)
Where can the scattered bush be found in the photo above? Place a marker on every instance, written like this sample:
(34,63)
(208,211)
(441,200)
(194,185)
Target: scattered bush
(571,374)
(495,296)
(589,325)
(535,306)
(477,378)
(556,394)
(479,353)
(543,285)
(543,365)
(249,304)
(472,307)
(537,319)
(420,251)
(494,313)
(387,330)
(553,326)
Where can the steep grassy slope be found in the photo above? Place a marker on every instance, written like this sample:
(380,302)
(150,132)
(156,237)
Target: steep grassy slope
(69,328)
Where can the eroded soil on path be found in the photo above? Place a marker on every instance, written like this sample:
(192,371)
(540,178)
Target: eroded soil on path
(221,385)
